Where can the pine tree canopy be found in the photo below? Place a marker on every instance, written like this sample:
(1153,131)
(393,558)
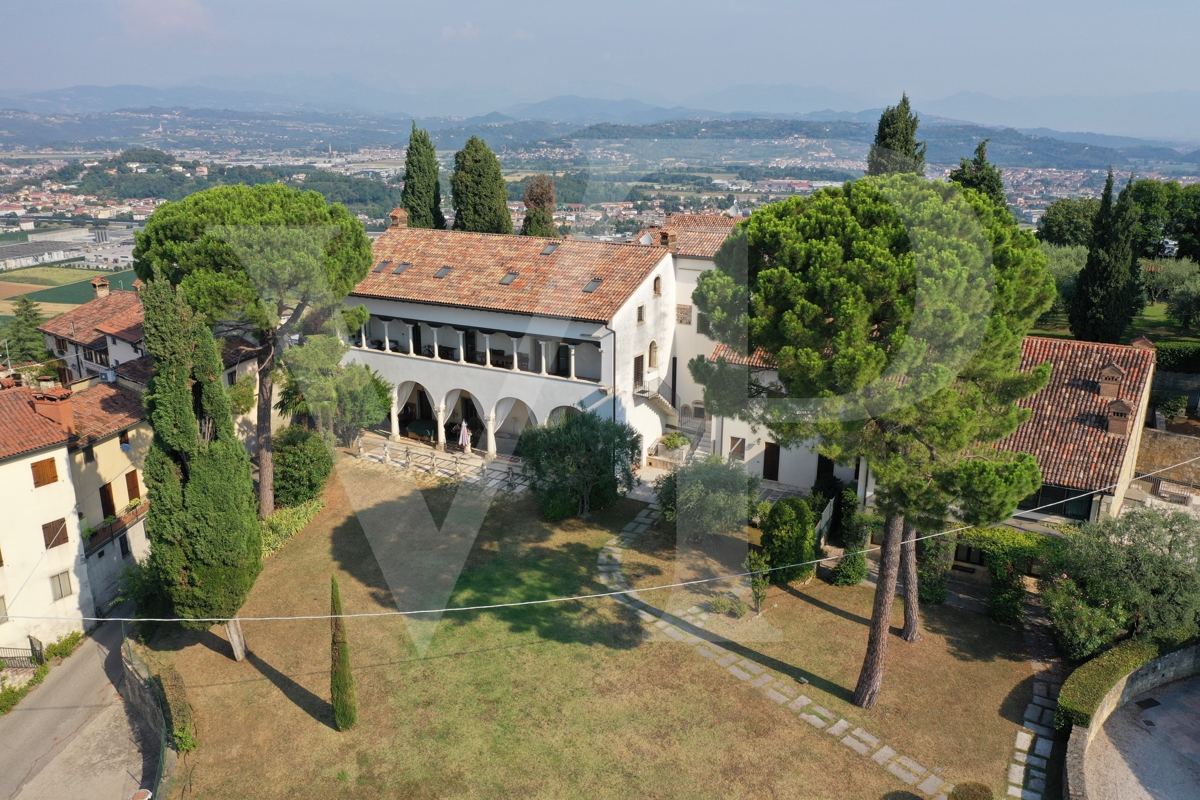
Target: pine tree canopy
(539,208)
(422,196)
(205,540)
(480,195)
(980,174)
(896,149)
(25,342)
(1108,291)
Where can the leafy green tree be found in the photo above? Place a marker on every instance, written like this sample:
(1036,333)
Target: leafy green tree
(422,197)
(789,536)
(205,547)
(708,497)
(1184,304)
(1064,265)
(581,464)
(1156,203)
(479,194)
(828,287)
(1185,223)
(341,679)
(24,342)
(256,260)
(363,400)
(1108,291)
(303,462)
(1068,222)
(539,208)
(760,580)
(1163,276)
(981,175)
(896,149)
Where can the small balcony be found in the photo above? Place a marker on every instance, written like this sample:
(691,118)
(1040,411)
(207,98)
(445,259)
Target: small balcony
(114,526)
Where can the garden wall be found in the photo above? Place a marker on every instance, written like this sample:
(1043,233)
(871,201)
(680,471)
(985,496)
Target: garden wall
(1164,669)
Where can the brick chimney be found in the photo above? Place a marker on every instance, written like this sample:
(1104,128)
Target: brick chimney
(1142,343)
(399,218)
(56,405)
(100,287)
(1111,378)
(668,239)
(138,285)
(1119,413)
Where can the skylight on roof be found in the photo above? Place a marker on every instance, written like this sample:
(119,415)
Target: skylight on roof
(403,266)
(443,272)
(550,248)
(381,266)
(592,285)
(509,278)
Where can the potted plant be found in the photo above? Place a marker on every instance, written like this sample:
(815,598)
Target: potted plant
(675,446)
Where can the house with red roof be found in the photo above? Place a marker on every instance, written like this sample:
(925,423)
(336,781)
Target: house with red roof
(99,335)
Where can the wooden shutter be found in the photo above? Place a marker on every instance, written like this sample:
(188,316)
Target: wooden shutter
(54,533)
(44,472)
(107,507)
(131,485)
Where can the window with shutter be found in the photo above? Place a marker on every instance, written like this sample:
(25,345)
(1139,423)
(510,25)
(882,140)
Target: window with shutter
(44,472)
(60,584)
(54,533)
(131,485)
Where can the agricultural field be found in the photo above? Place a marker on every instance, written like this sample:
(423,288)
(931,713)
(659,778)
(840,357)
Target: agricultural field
(80,292)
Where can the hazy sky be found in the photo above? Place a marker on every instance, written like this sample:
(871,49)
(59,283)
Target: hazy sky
(664,51)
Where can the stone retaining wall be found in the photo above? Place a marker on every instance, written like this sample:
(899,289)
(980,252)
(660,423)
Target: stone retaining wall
(1165,669)
(141,694)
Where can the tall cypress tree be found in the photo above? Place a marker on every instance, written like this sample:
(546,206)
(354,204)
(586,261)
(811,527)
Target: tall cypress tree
(205,545)
(896,149)
(480,196)
(539,208)
(341,679)
(981,175)
(1108,291)
(23,341)
(422,197)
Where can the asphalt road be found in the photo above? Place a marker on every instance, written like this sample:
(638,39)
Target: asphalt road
(73,736)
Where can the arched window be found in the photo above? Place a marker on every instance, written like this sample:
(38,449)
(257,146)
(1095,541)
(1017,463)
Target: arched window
(653,355)
(657,285)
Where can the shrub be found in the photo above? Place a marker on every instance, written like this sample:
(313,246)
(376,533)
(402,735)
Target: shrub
(674,441)
(1178,357)
(303,462)
(971,790)
(11,695)
(558,503)
(851,570)
(65,645)
(1171,405)
(1085,687)
(761,511)
(935,559)
(585,461)
(286,523)
(789,537)
(179,709)
(341,680)
(758,564)
(1007,555)
(740,608)
(1081,631)
(720,605)
(710,497)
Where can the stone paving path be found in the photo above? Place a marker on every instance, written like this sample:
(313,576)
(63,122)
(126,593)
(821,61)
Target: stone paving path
(1027,770)
(689,629)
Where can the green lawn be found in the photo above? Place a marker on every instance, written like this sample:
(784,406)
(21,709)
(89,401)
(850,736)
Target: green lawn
(1153,323)
(564,700)
(81,291)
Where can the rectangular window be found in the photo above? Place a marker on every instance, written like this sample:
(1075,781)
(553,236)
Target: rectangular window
(737,448)
(443,272)
(131,485)
(509,278)
(592,285)
(124,542)
(44,472)
(60,585)
(641,314)
(108,506)
(99,357)
(231,377)
(54,533)
(60,343)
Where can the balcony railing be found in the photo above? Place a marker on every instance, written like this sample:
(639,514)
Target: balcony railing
(499,358)
(108,531)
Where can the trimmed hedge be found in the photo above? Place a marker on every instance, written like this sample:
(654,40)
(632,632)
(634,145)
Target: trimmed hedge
(1085,687)
(1178,357)
(789,537)
(286,523)
(179,709)
(972,790)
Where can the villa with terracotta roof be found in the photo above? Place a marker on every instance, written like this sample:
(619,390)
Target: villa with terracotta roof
(99,335)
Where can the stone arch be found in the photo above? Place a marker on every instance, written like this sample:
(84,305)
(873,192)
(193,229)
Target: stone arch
(652,355)
(510,417)
(560,413)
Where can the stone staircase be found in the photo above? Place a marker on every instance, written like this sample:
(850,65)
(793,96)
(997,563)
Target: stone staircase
(661,404)
(704,447)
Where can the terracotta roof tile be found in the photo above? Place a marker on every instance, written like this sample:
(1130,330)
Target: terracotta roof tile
(546,285)
(696,235)
(235,350)
(759,358)
(102,410)
(120,310)
(22,429)
(1068,433)
(138,370)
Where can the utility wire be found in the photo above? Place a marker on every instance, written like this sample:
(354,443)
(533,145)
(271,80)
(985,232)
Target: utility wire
(572,598)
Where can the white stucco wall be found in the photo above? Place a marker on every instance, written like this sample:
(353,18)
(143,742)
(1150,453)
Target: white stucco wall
(28,565)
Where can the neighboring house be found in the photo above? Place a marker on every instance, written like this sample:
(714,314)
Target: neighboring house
(240,360)
(99,335)
(1168,472)
(43,572)
(503,332)
(108,452)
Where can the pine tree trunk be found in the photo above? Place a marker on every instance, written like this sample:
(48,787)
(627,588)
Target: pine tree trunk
(266,459)
(908,559)
(870,680)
